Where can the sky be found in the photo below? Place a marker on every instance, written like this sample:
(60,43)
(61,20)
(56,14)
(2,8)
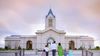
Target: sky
(25,17)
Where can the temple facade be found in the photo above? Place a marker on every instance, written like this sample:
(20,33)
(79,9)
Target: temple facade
(48,35)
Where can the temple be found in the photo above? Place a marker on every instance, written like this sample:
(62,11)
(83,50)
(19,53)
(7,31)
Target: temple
(48,35)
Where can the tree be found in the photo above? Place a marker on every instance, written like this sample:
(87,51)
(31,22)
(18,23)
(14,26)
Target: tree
(6,47)
(19,48)
(97,48)
(80,48)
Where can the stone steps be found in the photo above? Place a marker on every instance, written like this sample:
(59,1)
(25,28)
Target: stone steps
(33,53)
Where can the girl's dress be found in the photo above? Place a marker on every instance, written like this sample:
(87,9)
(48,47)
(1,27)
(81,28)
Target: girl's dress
(70,53)
(43,54)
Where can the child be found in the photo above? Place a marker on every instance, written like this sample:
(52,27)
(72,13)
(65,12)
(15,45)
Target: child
(46,50)
(70,53)
(43,53)
(65,53)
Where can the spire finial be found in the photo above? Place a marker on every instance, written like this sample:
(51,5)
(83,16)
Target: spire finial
(50,12)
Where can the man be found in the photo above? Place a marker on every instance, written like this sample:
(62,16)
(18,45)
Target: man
(53,48)
(46,50)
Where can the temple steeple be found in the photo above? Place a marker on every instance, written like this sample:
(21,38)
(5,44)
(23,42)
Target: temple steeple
(50,21)
(50,13)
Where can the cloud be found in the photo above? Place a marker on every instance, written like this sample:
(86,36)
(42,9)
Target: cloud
(21,4)
(74,23)
(90,9)
(78,17)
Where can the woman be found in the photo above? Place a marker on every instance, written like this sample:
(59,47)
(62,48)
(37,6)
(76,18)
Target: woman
(60,50)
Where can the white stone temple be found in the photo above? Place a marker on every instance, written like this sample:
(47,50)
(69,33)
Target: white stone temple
(48,35)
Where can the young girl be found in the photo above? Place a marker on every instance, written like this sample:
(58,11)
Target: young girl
(43,53)
(70,53)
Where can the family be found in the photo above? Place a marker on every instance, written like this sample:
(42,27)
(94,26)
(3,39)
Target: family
(56,48)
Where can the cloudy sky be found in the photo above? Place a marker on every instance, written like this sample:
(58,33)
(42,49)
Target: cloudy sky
(24,17)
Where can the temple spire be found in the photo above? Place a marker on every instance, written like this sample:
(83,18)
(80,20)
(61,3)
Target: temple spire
(50,13)
(50,21)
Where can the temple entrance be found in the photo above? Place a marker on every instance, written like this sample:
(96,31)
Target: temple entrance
(29,44)
(71,45)
(50,41)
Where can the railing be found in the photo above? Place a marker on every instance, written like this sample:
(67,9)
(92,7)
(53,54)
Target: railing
(10,53)
(87,53)
(38,53)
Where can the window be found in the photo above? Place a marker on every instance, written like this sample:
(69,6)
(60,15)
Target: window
(50,22)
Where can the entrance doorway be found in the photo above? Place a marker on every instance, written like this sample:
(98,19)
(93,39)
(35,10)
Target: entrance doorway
(71,45)
(50,41)
(29,44)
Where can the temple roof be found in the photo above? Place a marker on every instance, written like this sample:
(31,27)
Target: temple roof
(50,13)
(50,29)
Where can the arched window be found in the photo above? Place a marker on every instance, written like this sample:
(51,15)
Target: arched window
(50,22)
(71,45)
(29,44)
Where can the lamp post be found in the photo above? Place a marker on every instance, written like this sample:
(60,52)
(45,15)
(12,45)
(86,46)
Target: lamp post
(23,51)
(82,49)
